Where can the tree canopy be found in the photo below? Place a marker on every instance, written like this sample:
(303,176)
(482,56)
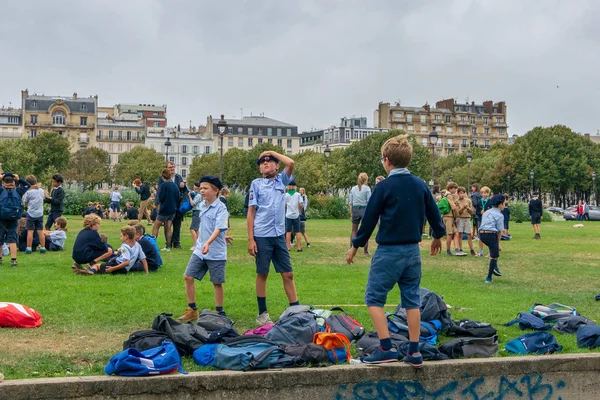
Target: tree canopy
(140,162)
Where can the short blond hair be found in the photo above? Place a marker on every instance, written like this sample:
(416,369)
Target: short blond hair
(398,151)
(128,231)
(132,223)
(90,220)
(485,189)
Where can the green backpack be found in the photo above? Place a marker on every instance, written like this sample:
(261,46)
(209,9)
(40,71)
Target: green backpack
(444,206)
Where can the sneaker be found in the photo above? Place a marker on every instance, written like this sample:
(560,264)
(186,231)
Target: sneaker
(263,319)
(381,356)
(488,280)
(88,270)
(189,315)
(222,313)
(166,249)
(28,250)
(300,251)
(473,253)
(42,250)
(13,263)
(497,272)
(414,359)
(449,253)
(177,246)
(75,266)
(460,253)
(308,245)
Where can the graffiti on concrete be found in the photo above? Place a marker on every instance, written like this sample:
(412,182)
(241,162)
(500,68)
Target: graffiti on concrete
(531,387)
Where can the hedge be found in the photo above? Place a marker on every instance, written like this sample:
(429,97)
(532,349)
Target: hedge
(519,211)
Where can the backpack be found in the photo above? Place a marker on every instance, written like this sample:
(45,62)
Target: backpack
(186,337)
(185,206)
(428,333)
(467,327)
(444,206)
(534,343)
(552,312)
(145,340)
(309,352)
(11,205)
(204,355)
(260,331)
(5,250)
(588,336)
(344,324)
(253,352)
(369,342)
(432,307)
(157,361)
(470,347)
(572,323)
(427,351)
(529,321)
(294,328)
(291,310)
(152,240)
(336,344)
(212,321)
(13,315)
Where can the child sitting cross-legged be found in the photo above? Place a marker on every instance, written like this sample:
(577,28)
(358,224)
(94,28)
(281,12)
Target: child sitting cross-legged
(89,248)
(55,239)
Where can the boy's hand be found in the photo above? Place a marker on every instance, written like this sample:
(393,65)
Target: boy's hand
(205,248)
(351,254)
(252,249)
(110,269)
(268,153)
(499,248)
(228,239)
(436,247)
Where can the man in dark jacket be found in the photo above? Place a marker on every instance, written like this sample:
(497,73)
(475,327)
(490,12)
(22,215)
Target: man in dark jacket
(183,190)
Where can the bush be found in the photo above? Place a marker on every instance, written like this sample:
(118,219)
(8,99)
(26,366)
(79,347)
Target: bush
(235,203)
(76,200)
(519,211)
(327,207)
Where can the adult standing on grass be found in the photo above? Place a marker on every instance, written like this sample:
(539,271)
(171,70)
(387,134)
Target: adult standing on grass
(144,191)
(179,196)
(168,198)
(359,197)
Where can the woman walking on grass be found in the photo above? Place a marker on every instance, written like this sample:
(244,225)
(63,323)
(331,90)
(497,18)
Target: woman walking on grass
(359,197)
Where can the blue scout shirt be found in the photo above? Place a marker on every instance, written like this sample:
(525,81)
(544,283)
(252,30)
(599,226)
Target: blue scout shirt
(211,218)
(492,220)
(268,197)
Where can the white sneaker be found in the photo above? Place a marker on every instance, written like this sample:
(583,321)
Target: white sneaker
(264,319)
(460,254)
(166,249)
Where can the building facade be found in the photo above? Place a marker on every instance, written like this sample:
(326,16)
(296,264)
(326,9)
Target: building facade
(154,117)
(185,145)
(459,126)
(250,131)
(10,123)
(72,117)
(118,136)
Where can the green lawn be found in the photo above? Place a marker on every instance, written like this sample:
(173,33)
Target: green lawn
(86,318)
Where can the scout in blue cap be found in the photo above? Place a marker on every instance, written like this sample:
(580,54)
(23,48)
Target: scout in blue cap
(492,225)
(266,228)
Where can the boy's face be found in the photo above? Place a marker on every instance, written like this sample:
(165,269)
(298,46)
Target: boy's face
(137,236)
(55,183)
(207,191)
(485,195)
(123,237)
(268,169)
(95,227)
(501,206)
(453,190)
(196,189)
(462,195)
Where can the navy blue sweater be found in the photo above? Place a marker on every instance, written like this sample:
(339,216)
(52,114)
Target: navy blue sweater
(88,246)
(168,198)
(401,203)
(143,191)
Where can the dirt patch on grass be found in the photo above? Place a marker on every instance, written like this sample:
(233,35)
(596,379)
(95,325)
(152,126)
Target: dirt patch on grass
(20,341)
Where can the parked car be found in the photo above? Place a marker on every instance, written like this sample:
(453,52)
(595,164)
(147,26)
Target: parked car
(556,210)
(570,213)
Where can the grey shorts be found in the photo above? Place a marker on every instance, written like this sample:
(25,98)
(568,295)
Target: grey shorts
(164,218)
(357,214)
(272,249)
(195,225)
(34,224)
(302,226)
(197,267)
(464,225)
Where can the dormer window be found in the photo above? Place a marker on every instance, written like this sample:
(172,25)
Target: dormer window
(58,118)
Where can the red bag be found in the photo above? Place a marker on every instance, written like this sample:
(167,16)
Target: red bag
(13,315)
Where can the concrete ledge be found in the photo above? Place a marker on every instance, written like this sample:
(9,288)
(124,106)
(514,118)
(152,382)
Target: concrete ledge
(572,376)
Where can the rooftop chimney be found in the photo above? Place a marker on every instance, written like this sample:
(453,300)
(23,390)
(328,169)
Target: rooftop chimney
(75,95)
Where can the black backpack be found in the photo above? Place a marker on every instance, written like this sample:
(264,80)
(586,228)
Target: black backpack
(369,342)
(468,327)
(145,340)
(186,337)
(309,352)
(470,347)
(344,324)
(571,324)
(212,321)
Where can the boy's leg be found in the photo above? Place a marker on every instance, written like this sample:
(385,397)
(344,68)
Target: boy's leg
(168,233)
(459,239)
(219,296)
(288,240)
(283,265)
(298,243)
(263,263)
(30,239)
(40,232)
(217,277)
(470,240)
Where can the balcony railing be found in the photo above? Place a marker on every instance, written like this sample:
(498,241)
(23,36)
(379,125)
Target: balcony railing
(463,123)
(84,139)
(438,122)
(105,138)
(500,124)
(49,125)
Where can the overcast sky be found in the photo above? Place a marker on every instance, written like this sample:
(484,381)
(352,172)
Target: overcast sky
(309,62)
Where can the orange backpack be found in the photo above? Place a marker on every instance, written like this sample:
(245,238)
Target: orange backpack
(337,345)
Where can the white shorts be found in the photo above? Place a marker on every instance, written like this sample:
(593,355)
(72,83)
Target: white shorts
(464,225)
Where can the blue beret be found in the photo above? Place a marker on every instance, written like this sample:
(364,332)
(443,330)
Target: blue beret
(212,180)
(497,199)
(267,158)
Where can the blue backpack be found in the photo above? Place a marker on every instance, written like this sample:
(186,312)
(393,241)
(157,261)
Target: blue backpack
(157,361)
(152,240)
(534,343)
(11,205)
(429,329)
(529,321)
(251,352)
(204,355)
(588,336)
(185,206)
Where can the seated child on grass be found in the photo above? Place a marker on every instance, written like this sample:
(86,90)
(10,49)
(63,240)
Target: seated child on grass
(55,239)
(89,247)
(149,248)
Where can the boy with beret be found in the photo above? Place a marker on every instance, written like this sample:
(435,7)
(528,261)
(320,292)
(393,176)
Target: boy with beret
(490,230)
(266,228)
(400,203)
(210,253)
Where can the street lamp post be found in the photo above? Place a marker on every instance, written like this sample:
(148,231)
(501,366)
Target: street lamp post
(451,177)
(508,177)
(433,139)
(222,126)
(469,159)
(167,145)
(327,152)
(531,176)
(594,187)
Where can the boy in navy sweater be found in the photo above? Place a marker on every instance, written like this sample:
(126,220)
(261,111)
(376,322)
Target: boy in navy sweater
(401,202)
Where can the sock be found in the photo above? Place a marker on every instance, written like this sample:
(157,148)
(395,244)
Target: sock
(457,250)
(493,264)
(193,306)
(262,304)
(13,259)
(481,252)
(219,308)
(413,347)
(296,303)
(386,344)
(28,248)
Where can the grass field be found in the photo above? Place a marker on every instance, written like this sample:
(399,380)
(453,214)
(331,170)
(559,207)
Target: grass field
(86,318)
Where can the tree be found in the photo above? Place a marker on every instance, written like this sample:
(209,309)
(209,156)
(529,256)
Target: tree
(89,167)
(310,171)
(52,152)
(207,164)
(16,157)
(140,162)
(237,168)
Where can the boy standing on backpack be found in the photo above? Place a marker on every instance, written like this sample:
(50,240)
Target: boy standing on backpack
(56,199)
(34,200)
(266,229)
(535,210)
(210,253)
(400,203)
(11,208)
(492,225)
